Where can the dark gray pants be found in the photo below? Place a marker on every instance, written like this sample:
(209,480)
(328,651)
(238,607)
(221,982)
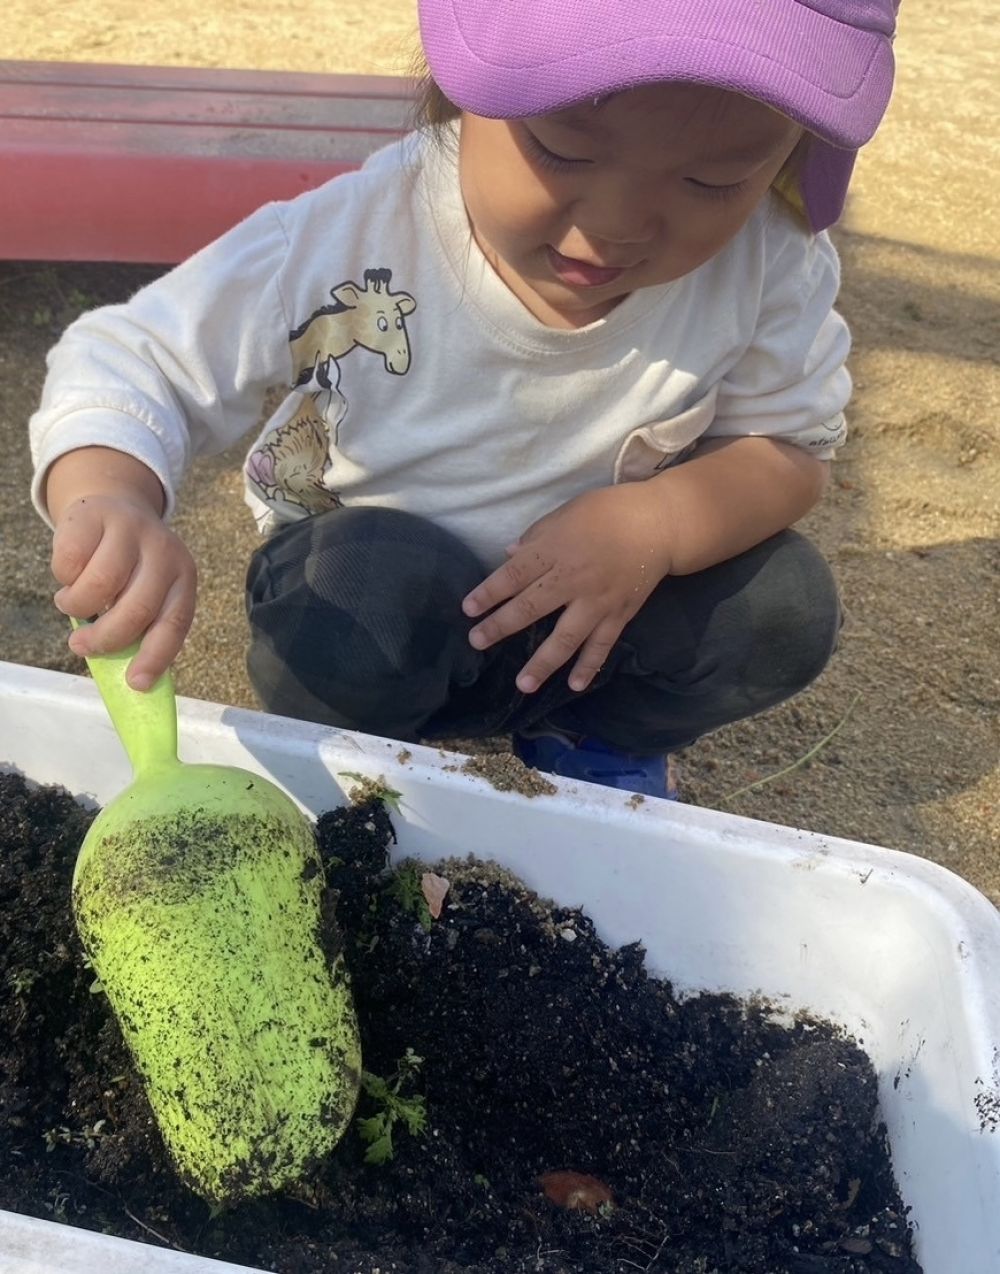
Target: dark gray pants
(355,619)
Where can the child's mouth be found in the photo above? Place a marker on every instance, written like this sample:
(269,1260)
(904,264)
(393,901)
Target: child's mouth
(580,274)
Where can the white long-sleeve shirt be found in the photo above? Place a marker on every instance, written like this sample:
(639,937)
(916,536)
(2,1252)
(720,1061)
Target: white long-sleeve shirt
(417,380)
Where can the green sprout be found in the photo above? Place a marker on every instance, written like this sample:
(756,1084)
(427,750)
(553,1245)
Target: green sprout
(97,986)
(369,789)
(411,1111)
(407,890)
(87,1138)
(21,981)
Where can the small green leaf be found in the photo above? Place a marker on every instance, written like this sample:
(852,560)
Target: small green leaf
(405,887)
(380,1151)
(375,1086)
(413,1114)
(372,1129)
(377,1129)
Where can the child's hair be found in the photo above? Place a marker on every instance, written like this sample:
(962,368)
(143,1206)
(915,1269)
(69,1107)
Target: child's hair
(433,110)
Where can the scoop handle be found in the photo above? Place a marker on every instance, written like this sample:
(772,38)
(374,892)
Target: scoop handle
(145,720)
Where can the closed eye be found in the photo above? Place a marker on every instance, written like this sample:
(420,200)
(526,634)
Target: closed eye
(546,158)
(717,192)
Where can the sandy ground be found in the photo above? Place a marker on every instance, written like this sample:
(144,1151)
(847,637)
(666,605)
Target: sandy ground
(911,525)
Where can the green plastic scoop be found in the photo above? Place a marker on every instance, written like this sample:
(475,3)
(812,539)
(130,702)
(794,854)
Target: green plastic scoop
(197,896)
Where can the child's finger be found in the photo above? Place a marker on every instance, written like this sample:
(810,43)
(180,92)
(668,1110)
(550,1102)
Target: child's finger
(534,602)
(505,582)
(99,585)
(73,545)
(572,630)
(137,606)
(594,654)
(164,638)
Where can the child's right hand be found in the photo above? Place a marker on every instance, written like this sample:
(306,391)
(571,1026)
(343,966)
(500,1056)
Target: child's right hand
(117,560)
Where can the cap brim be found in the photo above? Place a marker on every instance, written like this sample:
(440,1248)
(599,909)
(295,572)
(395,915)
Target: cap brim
(503,61)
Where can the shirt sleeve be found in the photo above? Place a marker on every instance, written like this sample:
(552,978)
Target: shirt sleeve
(791,381)
(179,370)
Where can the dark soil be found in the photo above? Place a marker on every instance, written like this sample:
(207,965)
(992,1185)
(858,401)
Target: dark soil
(727,1143)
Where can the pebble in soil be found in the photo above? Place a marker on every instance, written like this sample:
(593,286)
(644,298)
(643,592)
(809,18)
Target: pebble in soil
(728,1144)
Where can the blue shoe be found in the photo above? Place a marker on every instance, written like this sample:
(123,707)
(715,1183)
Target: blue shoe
(594,761)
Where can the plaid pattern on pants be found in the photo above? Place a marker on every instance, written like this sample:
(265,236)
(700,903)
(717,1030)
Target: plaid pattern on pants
(356,621)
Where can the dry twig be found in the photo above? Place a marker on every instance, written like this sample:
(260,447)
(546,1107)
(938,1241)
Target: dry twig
(808,756)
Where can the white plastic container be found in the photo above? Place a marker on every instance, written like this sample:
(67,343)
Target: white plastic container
(899,951)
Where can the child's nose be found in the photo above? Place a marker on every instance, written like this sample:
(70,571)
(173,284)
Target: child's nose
(626,228)
(629,238)
(614,241)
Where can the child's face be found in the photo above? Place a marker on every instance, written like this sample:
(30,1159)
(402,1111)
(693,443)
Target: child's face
(576,210)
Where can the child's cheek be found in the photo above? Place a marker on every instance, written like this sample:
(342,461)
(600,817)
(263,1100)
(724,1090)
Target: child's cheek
(705,232)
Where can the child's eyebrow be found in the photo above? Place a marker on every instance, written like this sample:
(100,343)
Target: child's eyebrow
(581,119)
(755,154)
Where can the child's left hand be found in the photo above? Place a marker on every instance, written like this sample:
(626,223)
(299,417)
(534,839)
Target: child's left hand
(597,558)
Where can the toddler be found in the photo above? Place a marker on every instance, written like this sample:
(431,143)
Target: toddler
(562,369)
